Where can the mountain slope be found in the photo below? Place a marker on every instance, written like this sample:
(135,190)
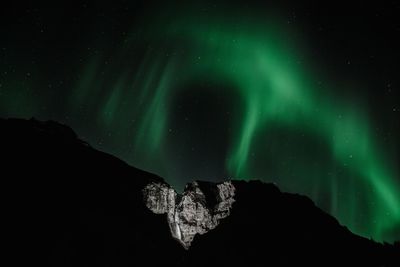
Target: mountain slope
(67,204)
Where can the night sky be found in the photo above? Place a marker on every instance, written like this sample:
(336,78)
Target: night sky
(302,95)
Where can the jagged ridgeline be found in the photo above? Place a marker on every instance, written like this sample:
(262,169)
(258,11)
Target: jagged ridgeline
(67,204)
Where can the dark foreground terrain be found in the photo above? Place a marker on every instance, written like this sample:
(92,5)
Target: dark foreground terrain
(66,204)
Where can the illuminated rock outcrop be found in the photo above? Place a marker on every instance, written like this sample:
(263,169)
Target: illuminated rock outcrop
(197,211)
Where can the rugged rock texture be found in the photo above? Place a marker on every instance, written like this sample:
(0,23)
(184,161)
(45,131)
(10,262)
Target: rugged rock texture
(66,204)
(190,213)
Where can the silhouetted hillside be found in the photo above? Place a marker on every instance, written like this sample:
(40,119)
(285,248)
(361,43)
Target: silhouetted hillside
(67,204)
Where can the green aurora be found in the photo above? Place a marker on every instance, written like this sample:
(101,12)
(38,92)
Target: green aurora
(281,125)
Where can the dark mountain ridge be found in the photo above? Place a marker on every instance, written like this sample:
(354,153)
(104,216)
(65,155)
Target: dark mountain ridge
(67,204)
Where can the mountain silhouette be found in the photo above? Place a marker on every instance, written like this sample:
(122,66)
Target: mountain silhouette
(67,204)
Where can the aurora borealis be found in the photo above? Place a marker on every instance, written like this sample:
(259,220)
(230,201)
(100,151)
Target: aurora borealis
(193,94)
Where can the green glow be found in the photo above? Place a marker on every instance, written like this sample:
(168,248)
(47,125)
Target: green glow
(284,128)
(275,89)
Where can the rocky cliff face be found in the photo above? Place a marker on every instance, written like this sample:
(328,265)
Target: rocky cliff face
(192,212)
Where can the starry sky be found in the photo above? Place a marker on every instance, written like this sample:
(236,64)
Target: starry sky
(302,95)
